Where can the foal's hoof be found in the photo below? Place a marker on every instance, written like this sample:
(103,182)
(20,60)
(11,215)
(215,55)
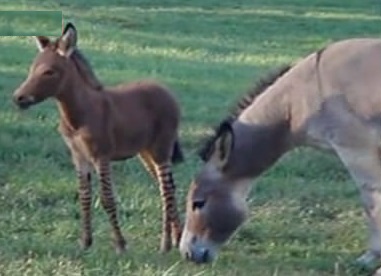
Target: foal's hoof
(165,245)
(120,247)
(120,250)
(85,242)
(176,239)
(176,232)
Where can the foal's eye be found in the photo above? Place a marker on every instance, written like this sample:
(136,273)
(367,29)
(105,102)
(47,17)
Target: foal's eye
(49,72)
(198,204)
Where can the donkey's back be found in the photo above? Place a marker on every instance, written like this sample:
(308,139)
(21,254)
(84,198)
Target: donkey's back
(338,86)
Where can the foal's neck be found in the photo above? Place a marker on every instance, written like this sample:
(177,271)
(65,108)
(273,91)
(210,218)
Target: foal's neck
(76,104)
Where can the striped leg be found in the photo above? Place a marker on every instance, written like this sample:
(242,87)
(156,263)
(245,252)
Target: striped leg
(83,171)
(171,222)
(109,205)
(148,164)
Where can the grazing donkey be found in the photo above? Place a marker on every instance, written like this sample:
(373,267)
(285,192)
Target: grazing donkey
(330,100)
(100,125)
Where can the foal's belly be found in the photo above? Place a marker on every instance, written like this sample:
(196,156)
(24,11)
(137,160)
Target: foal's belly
(120,157)
(122,153)
(128,146)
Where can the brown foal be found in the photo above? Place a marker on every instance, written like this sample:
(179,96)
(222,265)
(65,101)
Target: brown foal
(100,125)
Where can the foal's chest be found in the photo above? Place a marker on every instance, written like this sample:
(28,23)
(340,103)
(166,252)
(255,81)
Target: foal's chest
(81,143)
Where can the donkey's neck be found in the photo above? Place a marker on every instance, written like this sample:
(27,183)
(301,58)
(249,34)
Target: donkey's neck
(262,134)
(271,107)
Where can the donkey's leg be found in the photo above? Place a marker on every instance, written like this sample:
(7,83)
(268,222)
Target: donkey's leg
(108,202)
(171,222)
(83,170)
(364,166)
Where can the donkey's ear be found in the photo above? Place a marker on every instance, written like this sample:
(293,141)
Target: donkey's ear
(42,42)
(223,146)
(68,41)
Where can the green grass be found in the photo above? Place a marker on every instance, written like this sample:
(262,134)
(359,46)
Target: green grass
(306,217)
(27,23)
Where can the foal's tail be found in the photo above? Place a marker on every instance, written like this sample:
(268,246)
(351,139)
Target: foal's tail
(177,155)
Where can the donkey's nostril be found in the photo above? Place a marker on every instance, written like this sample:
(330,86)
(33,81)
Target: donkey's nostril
(205,256)
(187,255)
(200,256)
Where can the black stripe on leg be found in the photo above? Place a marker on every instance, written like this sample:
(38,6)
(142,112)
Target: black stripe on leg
(85,198)
(168,191)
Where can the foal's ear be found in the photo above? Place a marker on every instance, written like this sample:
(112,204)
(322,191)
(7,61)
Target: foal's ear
(42,42)
(68,41)
(223,146)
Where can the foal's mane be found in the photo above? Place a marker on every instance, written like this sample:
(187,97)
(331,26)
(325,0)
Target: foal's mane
(85,70)
(260,87)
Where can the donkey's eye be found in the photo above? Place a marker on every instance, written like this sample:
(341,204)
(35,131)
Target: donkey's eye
(198,204)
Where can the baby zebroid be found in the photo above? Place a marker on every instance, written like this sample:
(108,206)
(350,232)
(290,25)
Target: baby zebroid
(102,124)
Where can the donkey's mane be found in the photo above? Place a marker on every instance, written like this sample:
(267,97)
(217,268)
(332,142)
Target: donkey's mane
(85,70)
(260,87)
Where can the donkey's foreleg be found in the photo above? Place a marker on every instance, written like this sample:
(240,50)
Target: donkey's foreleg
(83,170)
(371,197)
(365,168)
(108,203)
(170,223)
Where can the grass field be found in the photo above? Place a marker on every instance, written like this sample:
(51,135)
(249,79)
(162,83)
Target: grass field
(306,217)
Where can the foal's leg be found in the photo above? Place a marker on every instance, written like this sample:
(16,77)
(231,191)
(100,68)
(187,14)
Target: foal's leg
(83,170)
(163,175)
(171,222)
(365,168)
(108,202)
(148,164)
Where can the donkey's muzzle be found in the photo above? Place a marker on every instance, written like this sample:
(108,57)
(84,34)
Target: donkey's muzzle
(197,250)
(199,255)
(23,102)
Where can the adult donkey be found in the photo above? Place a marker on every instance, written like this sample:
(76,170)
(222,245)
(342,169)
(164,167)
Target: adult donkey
(100,125)
(331,100)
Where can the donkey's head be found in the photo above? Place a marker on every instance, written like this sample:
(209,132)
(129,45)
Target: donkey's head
(216,204)
(50,71)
